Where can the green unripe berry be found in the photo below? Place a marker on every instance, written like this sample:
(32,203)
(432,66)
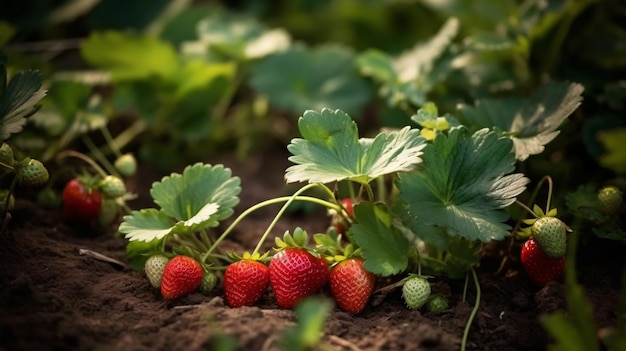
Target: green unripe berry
(415,291)
(33,173)
(6,154)
(126,165)
(209,280)
(112,187)
(3,200)
(154,269)
(437,304)
(610,199)
(550,235)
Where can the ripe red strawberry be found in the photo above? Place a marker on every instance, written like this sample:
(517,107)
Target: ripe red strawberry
(541,268)
(295,274)
(338,221)
(245,282)
(182,275)
(80,202)
(351,285)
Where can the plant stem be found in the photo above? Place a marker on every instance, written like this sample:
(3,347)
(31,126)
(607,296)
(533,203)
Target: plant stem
(258,206)
(83,157)
(5,211)
(474,311)
(280,214)
(109,139)
(99,155)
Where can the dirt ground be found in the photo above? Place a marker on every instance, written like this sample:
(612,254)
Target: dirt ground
(52,297)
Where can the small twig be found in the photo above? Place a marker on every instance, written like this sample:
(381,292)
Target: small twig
(344,343)
(101,257)
(185,307)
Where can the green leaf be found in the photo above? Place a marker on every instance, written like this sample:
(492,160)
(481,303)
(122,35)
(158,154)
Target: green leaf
(418,62)
(464,184)
(385,248)
(146,225)
(188,195)
(131,57)
(533,122)
(300,78)
(411,75)
(311,315)
(203,219)
(331,150)
(615,156)
(240,36)
(583,203)
(197,75)
(19,101)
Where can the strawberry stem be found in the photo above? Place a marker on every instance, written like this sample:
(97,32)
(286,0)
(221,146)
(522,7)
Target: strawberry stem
(473,313)
(273,201)
(83,157)
(280,213)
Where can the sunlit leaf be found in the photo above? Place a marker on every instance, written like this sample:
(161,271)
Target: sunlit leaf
(330,150)
(146,225)
(614,157)
(183,196)
(240,36)
(131,57)
(531,123)
(464,184)
(197,74)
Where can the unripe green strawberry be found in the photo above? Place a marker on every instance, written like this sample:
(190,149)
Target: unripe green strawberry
(108,212)
(610,199)
(6,154)
(550,235)
(415,291)
(437,304)
(33,173)
(209,280)
(154,269)
(112,187)
(126,165)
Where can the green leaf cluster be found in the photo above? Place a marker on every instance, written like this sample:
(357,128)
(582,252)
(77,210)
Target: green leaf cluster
(193,201)
(465,184)
(301,78)
(330,150)
(19,96)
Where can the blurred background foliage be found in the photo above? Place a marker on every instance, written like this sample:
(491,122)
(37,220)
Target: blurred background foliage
(175,80)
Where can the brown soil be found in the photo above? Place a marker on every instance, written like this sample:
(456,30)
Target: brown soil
(52,297)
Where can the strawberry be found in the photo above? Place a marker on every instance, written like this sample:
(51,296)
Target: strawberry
(539,267)
(154,267)
(126,165)
(209,280)
(245,282)
(351,285)
(108,212)
(33,173)
(415,291)
(181,276)
(80,201)
(610,199)
(295,274)
(112,187)
(6,154)
(550,235)
(436,304)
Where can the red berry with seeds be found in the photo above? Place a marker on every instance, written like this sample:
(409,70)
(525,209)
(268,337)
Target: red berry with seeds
(80,203)
(351,285)
(245,282)
(182,275)
(295,274)
(539,267)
